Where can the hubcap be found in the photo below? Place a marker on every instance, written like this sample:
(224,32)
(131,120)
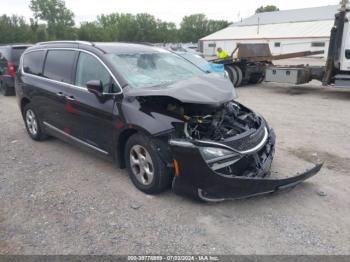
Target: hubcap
(32,122)
(141,164)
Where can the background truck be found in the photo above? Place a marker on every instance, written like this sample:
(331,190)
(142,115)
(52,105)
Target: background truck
(248,62)
(336,71)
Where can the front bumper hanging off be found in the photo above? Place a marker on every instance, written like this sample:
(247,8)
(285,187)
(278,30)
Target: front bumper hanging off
(197,179)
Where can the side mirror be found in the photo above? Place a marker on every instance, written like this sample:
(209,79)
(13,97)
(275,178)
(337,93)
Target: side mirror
(95,86)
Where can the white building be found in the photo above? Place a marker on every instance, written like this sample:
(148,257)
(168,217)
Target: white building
(285,31)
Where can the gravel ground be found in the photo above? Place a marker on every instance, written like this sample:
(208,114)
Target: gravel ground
(57,199)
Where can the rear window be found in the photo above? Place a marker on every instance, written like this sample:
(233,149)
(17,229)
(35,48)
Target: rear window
(59,65)
(16,53)
(4,52)
(33,62)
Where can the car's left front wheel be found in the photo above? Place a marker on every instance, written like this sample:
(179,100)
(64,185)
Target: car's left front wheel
(147,170)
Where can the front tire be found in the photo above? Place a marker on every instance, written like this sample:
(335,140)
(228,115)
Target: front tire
(146,169)
(33,123)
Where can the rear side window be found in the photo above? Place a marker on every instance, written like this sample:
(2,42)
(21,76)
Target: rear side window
(16,53)
(3,52)
(33,62)
(59,65)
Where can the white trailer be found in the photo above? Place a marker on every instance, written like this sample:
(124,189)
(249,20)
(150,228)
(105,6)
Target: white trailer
(337,68)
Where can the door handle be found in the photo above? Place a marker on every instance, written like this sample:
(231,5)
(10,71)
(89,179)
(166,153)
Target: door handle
(60,94)
(70,98)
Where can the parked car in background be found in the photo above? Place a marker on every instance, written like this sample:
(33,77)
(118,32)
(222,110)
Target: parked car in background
(155,113)
(9,60)
(189,48)
(204,64)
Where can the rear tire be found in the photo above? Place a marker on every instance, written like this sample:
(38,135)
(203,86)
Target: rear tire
(229,73)
(33,123)
(5,90)
(233,75)
(239,76)
(148,172)
(256,79)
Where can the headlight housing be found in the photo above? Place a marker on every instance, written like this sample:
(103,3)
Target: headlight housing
(211,153)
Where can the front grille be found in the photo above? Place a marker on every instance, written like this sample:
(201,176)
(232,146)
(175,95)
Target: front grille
(255,165)
(248,141)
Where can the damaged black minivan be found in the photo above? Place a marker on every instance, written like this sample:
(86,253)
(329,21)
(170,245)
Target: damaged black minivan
(153,112)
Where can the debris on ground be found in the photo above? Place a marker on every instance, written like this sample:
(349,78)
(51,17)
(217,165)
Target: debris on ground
(321,193)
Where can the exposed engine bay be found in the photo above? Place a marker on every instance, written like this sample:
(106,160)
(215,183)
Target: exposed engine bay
(228,121)
(208,122)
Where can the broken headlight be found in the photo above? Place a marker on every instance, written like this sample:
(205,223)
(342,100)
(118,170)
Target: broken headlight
(211,153)
(218,158)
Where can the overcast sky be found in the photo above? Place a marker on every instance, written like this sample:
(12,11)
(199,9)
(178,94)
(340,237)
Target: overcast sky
(168,10)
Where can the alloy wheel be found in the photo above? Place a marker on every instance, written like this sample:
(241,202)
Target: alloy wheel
(141,165)
(32,122)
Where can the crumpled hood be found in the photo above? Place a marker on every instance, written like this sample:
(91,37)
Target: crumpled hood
(207,89)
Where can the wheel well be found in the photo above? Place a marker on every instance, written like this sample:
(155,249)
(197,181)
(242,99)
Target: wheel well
(123,138)
(25,101)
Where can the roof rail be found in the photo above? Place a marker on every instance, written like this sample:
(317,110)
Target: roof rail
(65,42)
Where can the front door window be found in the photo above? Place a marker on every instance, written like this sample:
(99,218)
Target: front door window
(89,68)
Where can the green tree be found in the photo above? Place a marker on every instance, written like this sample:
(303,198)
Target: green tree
(59,19)
(119,27)
(268,8)
(196,26)
(39,31)
(127,28)
(131,28)
(193,27)
(13,29)
(53,20)
(166,32)
(92,31)
(146,28)
(216,25)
